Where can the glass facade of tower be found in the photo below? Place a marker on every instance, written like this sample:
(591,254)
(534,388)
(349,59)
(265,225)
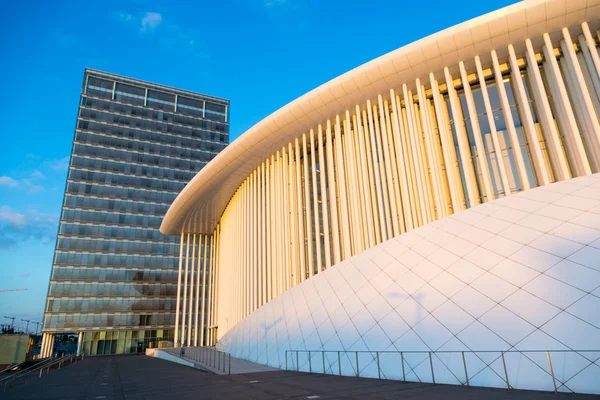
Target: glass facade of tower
(136,145)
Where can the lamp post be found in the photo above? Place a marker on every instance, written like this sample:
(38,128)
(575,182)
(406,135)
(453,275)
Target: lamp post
(37,327)
(12,322)
(27,328)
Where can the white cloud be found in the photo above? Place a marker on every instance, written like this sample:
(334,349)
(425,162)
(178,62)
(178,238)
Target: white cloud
(11,217)
(7,181)
(167,34)
(37,175)
(26,184)
(31,187)
(150,21)
(60,164)
(17,227)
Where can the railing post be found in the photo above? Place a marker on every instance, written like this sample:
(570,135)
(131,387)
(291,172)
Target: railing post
(357,367)
(551,371)
(378,369)
(465,365)
(323,354)
(431,364)
(339,364)
(505,372)
(309,363)
(402,359)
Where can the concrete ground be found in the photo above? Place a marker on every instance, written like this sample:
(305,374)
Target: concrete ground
(141,377)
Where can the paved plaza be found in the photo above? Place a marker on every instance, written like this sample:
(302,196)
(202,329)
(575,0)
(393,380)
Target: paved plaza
(141,377)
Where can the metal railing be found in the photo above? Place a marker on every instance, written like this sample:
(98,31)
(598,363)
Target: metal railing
(554,370)
(42,366)
(207,357)
(11,366)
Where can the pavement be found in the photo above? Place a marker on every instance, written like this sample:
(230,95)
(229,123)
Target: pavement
(140,377)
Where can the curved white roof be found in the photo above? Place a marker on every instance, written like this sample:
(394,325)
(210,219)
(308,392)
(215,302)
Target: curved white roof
(516,273)
(202,202)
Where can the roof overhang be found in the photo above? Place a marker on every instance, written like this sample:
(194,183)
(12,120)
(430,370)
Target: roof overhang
(199,206)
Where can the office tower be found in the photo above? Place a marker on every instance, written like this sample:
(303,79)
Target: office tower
(136,146)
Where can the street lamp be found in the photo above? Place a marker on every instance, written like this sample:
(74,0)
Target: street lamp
(12,322)
(37,328)
(27,328)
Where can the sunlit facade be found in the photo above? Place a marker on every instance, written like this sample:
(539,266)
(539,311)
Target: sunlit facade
(433,134)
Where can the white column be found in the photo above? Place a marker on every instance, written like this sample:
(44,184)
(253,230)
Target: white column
(50,345)
(438,157)
(360,172)
(216,282)
(401,163)
(394,203)
(211,284)
(354,199)
(527,120)
(455,183)
(177,305)
(376,173)
(370,160)
(251,243)
(423,159)
(474,121)
(286,219)
(563,103)
(263,234)
(310,265)
(198,273)
(279,225)
(589,71)
(324,197)
(405,133)
(367,189)
(431,154)
(554,146)
(335,231)
(343,197)
(300,244)
(259,241)
(203,308)
(591,45)
(378,123)
(510,125)
(313,157)
(417,164)
(190,313)
(269,227)
(590,113)
(463,143)
(185,285)
(79,342)
(43,342)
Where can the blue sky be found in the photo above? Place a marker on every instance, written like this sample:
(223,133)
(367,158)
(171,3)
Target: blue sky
(260,54)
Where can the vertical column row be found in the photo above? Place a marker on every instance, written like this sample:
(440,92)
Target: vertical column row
(392,165)
(194,315)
